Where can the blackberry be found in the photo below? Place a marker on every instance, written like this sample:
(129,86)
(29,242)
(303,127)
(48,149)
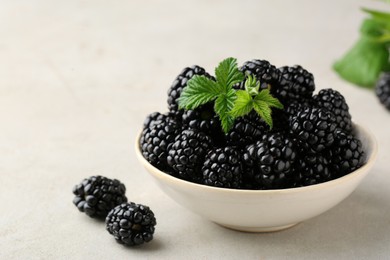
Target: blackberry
(246,130)
(382,89)
(156,118)
(346,154)
(131,224)
(268,164)
(204,120)
(223,168)
(312,169)
(186,155)
(264,71)
(155,140)
(296,84)
(314,129)
(97,195)
(333,101)
(179,83)
(294,107)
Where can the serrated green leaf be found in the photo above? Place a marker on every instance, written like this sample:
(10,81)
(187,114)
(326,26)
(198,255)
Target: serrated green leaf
(223,105)
(264,111)
(266,97)
(228,74)
(199,90)
(243,104)
(363,63)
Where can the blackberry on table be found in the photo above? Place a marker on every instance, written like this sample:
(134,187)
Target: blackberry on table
(298,84)
(269,163)
(314,129)
(131,224)
(346,154)
(382,89)
(223,168)
(155,140)
(97,195)
(333,101)
(187,153)
(181,82)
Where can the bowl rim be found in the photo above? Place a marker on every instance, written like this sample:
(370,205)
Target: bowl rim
(162,175)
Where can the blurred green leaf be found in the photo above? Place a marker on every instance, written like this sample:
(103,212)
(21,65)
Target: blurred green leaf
(364,62)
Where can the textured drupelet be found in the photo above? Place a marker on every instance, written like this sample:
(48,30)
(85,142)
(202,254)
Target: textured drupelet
(314,129)
(297,84)
(181,82)
(265,72)
(246,130)
(382,89)
(269,163)
(131,224)
(294,107)
(205,120)
(155,118)
(155,139)
(346,154)
(186,155)
(334,102)
(223,168)
(312,169)
(97,195)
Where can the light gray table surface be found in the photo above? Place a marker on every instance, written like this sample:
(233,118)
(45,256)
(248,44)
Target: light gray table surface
(77,79)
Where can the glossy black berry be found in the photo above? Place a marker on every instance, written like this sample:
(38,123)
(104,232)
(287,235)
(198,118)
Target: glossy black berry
(204,119)
(155,139)
(269,163)
(155,118)
(246,130)
(299,84)
(314,129)
(223,168)
(266,73)
(346,154)
(294,107)
(382,89)
(187,154)
(97,195)
(333,101)
(179,83)
(131,224)
(312,169)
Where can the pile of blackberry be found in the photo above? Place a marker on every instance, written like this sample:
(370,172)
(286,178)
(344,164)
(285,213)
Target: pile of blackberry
(100,197)
(312,141)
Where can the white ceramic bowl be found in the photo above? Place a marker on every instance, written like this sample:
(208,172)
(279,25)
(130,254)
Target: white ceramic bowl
(263,210)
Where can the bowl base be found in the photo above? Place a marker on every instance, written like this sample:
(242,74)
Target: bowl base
(258,229)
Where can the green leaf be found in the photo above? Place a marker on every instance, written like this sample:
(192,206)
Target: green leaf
(228,74)
(376,30)
(223,105)
(364,62)
(252,85)
(199,90)
(264,111)
(378,15)
(243,104)
(266,97)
